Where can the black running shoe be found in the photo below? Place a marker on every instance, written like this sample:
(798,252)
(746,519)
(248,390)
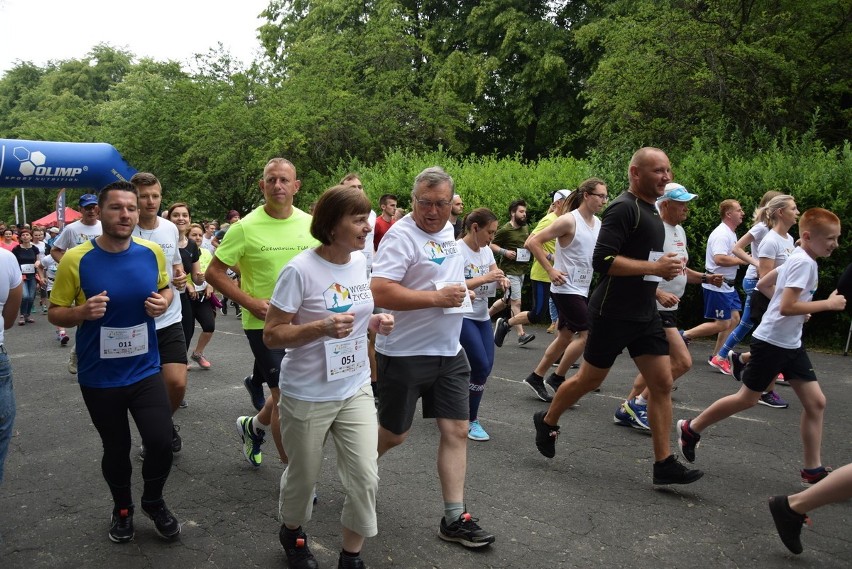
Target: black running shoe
(295,544)
(256,393)
(121,525)
(687,440)
(670,471)
(165,523)
(465,531)
(553,381)
(350,562)
(545,435)
(537,385)
(736,365)
(787,522)
(501,328)
(177,442)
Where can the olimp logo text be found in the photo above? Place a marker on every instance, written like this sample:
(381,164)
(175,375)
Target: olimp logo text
(33,165)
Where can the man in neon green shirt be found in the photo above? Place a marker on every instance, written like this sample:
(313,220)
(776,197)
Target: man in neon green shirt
(260,244)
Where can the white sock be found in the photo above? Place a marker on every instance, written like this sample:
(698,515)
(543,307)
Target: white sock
(641,400)
(257,426)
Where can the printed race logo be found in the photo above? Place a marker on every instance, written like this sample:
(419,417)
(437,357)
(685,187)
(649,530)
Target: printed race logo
(434,252)
(337,298)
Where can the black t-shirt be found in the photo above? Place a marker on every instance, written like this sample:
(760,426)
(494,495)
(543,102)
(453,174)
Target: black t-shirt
(25,256)
(632,228)
(189,255)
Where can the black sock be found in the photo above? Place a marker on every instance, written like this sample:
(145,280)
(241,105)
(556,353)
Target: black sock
(669,460)
(348,554)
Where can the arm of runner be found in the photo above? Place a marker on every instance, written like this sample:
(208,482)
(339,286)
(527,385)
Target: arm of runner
(668,266)
(393,296)
(792,306)
(158,302)
(217,275)
(280,332)
(739,249)
(70,316)
(561,228)
(493,275)
(12,305)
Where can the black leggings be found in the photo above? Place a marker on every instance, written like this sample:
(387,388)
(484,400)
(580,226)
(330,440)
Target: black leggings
(267,362)
(147,401)
(186,318)
(203,313)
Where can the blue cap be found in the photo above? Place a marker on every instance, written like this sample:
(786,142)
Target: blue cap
(677,193)
(88,199)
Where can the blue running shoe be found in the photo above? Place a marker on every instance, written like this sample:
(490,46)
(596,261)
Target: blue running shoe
(475,432)
(638,415)
(621,417)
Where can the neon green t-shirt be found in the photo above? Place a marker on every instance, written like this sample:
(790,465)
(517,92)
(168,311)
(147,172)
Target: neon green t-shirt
(537,272)
(204,258)
(260,246)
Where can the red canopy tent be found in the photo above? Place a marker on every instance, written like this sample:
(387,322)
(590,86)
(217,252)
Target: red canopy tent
(50,219)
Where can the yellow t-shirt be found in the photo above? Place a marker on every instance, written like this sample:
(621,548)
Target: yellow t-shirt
(537,272)
(261,245)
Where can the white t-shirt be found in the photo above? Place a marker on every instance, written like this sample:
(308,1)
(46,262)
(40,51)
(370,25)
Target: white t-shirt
(368,247)
(77,233)
(166,235)
(10,277)
(800,271)
(418,260)
(575,260)
(49,266)
(720,242)
(314,289)
(758,232)
(776,247)
(675,243)
(476,264)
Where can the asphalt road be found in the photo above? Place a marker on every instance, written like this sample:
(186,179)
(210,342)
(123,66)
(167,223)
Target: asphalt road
(593,505)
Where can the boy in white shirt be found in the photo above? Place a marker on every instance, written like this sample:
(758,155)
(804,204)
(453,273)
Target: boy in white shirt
(777,346)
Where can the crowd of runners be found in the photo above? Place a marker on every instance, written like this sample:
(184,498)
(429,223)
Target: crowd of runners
(352,316)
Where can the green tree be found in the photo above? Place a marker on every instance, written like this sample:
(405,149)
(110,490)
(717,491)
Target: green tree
(61,102)
(666,70)
(533,74)
(343,71)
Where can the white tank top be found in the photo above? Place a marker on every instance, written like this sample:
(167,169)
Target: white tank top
(575,260)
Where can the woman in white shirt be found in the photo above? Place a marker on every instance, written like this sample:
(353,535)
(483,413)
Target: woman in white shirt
(481,275)
(320,312)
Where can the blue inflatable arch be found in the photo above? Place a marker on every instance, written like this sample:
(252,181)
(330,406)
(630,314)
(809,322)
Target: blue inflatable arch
(39,164)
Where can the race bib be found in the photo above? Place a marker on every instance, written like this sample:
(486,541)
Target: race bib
(27,269)
(345,357)
(523,255)
(123,342)
(488,290)
(582,276)
(654,256)
(466,306)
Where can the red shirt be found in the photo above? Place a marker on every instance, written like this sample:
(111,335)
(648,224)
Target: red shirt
(380,229)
